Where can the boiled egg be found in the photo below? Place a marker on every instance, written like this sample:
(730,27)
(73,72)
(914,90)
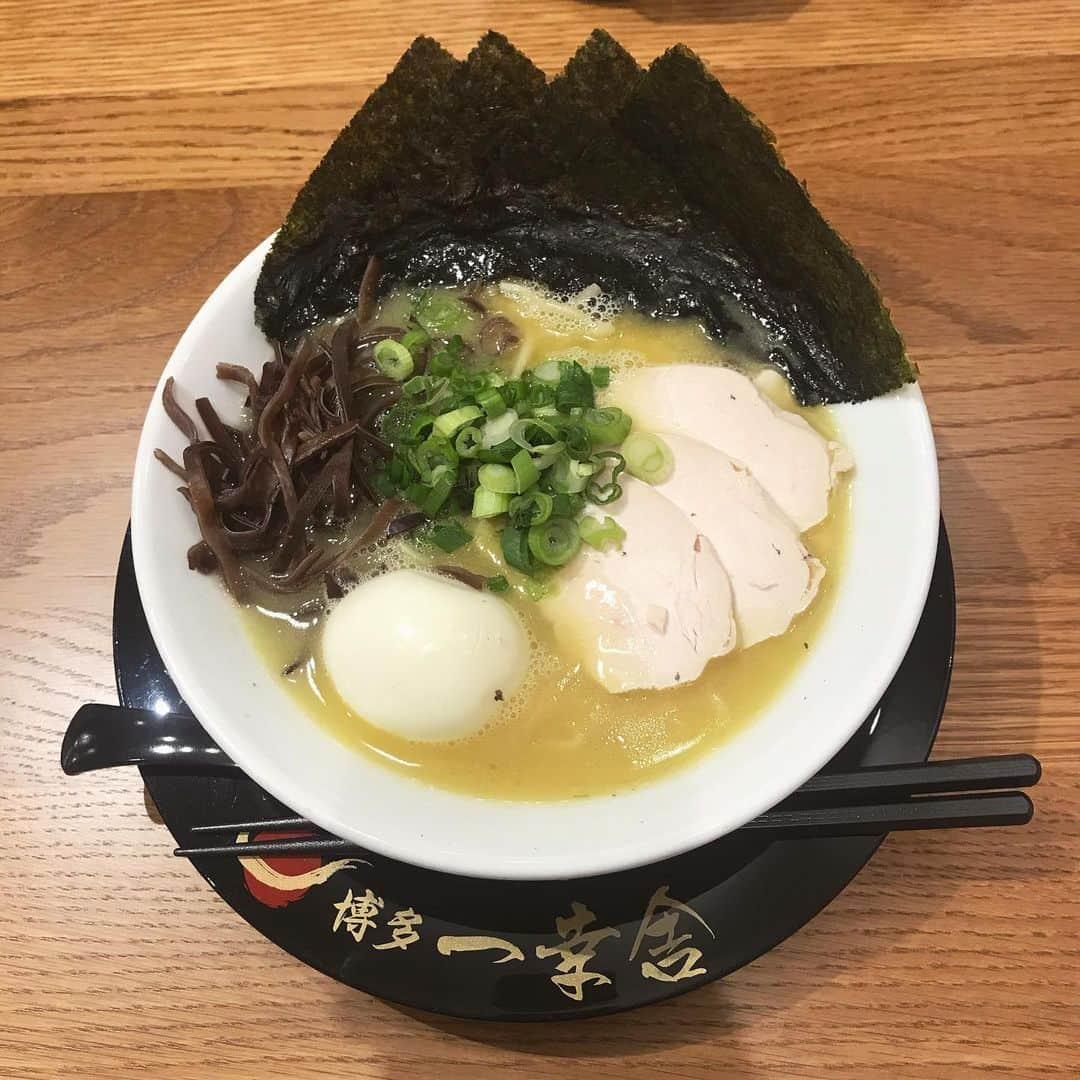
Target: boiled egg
(423,656)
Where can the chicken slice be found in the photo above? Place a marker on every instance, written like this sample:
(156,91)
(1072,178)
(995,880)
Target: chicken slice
(773,576)
(652,614)
(724,408)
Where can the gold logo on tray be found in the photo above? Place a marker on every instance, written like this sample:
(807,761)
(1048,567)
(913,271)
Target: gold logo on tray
(664,944)
(670,956)
(675,959)
(577,949)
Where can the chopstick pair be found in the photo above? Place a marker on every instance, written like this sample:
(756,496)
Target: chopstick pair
(868,802)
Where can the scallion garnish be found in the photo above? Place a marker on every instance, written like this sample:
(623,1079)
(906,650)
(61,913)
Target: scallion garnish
(498,478)
(598,533)
(440,314)
(530,452)
(515,548)
(488,503)
(450,423)
(525,470)
(393,359)
(575,388)
(555,542)
(433,453)
(438,493)
(564,505)
(531,433)
(415,340)
(468,441)
(648,457)
(492,402)
(603,493)
(548,372)
(532,508)
(606,427)
(497,584)
(450,536)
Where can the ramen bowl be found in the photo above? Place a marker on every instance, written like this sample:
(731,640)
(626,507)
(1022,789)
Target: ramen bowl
(240,700)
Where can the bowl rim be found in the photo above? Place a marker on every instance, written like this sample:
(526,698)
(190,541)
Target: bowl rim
(450,858)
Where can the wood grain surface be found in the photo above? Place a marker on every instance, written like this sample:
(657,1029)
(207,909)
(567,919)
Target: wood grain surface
(145,147)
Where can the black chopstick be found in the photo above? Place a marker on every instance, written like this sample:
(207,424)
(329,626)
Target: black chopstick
(873,784)
(930,812)
(926,778)
(868,802)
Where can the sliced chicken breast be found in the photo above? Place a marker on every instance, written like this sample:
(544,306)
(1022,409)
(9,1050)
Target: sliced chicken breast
(653,614)
(723,408)
(773,577)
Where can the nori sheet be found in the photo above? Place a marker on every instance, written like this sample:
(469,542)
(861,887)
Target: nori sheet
(655,183)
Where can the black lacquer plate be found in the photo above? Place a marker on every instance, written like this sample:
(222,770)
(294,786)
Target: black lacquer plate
(500,950)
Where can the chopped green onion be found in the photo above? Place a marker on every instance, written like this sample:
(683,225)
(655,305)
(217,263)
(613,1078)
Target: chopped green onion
(440,314)
(500,478)
(498,429)
(601,376)
(451,422)
(451,536)
(525,470)
(606,427)
(596,533)
(534,395)
(468,441)
(447,359)
(576,437)
(521,430)
(568,477)
(417,428)
(434,454)
(548,371)
(415,340)
(648,457)
(487,503)
(602,494)
(417,493)
(555,542)
(436,389)
(468,383)
(400,469)
(546,456)
(500,454)
(515,548)
(491,401)
(393,359)
(467,478)
(439,492)
(564,505)
(497,584)
(532,508)
(575,387)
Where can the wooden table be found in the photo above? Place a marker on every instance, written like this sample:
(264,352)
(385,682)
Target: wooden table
(145,147)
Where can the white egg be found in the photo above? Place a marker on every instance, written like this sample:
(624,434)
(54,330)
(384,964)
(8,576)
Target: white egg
(423,656)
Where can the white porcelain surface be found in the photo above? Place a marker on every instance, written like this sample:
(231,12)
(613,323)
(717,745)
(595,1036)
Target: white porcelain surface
(240,703)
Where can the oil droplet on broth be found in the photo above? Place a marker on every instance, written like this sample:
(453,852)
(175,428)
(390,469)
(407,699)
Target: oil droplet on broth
(562,735)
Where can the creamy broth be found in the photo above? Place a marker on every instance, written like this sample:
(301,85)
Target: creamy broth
(562,735)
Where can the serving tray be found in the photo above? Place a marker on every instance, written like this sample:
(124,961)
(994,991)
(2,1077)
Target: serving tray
(498,950)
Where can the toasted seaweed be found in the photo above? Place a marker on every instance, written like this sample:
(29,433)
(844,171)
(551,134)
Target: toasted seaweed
(655,183)
(728,165)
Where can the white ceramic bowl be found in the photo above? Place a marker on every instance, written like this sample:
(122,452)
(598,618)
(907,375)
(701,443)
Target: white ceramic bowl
(238,699)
